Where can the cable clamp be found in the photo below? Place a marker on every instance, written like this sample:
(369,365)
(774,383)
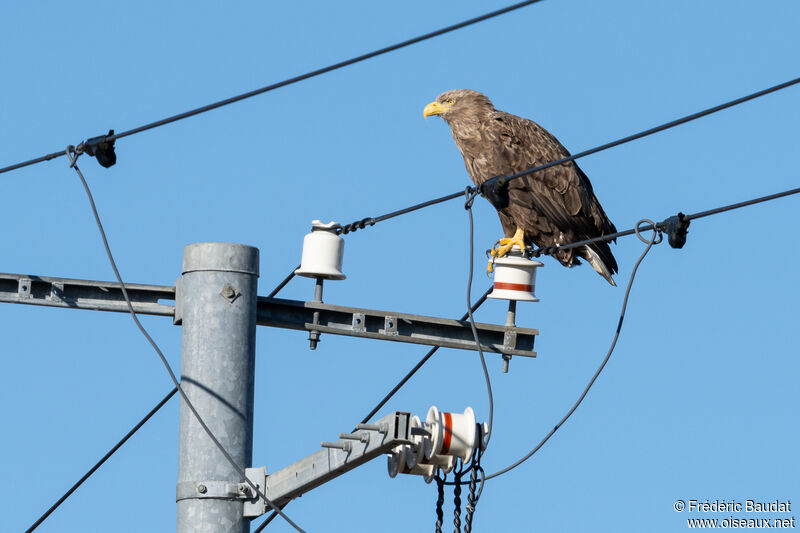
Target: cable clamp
(100,148)
(470,193)
(496,191)
(676,227)
(357,225)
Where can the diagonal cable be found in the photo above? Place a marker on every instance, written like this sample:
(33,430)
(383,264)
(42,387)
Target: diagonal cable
(471,194)
(421,362)
(655,239)
(503,180)
(394,390)
(102,460)
(73,157)
(657,129)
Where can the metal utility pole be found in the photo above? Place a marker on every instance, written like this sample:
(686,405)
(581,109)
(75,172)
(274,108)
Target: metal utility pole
(216,304)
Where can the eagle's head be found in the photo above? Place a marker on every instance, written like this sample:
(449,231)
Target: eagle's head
(460,103)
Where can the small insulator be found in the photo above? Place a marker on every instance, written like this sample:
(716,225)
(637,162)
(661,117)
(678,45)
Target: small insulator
(453,434)
(396,464)
(396,461)
(515,277)
(415,451)
(323,250)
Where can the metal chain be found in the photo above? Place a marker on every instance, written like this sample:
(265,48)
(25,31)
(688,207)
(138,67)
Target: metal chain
(472,498)
(457,499)
(440,499)
(472,501)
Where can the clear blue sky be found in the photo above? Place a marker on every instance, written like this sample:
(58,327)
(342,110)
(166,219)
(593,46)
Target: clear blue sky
(700,399)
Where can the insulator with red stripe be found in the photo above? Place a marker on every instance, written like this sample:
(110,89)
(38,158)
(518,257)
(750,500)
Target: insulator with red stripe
(515,277)
(437,443)
(415,453)
(452,434)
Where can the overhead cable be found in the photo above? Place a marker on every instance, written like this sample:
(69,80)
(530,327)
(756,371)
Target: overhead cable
(654,239)
(341,64)
(470,198)
(73,157)
(662,226)
(396,388)
(102,460)
(421,362)
(503,180)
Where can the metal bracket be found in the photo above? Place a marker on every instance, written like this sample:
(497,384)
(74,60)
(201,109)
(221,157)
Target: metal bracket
(390,326)
(255,506)
(219,490)
(509,340)
(177,318)
(314,317)
(24,288)
(367,442)
(56,292)
(85,294)
(359,322)
(318,317)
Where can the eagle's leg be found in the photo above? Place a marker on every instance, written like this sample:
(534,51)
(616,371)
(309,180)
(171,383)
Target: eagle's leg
(506,244)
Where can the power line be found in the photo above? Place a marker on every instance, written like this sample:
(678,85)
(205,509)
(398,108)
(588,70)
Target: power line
(657,129)
(289,81)
(371,221)
(661,225)
(73,157)
(99,463)
(421,362)
(642,225)
(649,225)
(470,194)
(283,283)
(655,239)
(746,203)
(392,392)
(502,181)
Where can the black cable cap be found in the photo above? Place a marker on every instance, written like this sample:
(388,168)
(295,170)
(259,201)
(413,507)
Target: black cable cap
(676,227)
(102,149)
(496,191)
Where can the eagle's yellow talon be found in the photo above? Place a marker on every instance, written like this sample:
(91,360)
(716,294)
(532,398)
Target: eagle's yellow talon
(507,243)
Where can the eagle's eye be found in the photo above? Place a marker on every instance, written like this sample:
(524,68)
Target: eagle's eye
(451,101)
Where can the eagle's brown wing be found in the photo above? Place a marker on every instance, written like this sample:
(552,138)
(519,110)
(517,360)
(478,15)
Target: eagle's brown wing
(554,206)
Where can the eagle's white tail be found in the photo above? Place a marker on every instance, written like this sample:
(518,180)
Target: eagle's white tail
(597,264)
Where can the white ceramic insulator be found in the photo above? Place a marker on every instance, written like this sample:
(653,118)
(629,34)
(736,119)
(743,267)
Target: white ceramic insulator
(453,435)
(415,451)
(395,461)
(323,251)
(396,464)
(515,277)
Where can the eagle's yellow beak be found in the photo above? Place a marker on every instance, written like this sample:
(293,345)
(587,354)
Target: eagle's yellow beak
(435,108)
